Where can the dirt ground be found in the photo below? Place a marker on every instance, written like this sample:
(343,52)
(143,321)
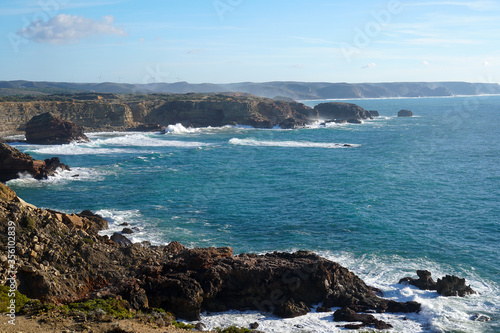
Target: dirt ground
(45,324)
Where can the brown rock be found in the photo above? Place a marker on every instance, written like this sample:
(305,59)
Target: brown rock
(13,162)
(50,129)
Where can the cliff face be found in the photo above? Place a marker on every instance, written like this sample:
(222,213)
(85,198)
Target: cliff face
(92,115)
(197,111)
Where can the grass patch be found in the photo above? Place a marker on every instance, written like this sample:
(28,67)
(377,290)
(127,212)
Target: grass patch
(5,299)
(116,308)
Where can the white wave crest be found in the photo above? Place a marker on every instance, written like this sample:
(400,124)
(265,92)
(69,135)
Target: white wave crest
(289,144)
(180,129)
(62,177)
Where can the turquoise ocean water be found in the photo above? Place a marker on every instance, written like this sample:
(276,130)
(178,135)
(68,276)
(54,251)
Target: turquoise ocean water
(408,194)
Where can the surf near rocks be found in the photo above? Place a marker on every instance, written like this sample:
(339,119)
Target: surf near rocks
(62,259)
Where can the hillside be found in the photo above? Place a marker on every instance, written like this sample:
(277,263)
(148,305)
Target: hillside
(295,90)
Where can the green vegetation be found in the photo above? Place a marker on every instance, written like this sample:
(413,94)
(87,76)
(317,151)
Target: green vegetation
(87,240)
(182,325)
(21,299)
(29,222)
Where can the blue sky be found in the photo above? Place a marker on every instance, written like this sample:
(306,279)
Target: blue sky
(223,41)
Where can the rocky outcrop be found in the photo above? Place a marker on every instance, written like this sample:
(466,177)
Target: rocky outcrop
(449,285)
(405,113)
(47,129)
(228,110)
(62,258)
(13,163)
(374,113)
(341,112)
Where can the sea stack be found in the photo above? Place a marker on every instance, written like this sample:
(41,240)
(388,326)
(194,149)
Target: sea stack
(405,113)
(48,129)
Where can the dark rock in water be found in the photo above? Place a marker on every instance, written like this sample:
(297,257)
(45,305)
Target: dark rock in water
(480,317)
(374,113)
(354,121)
(254,326)
(323,309)
(147,128)
(291,309)
(405,113)
(340,112)
(349,315)
(127,231)
(451,285)
(124,224)
(49,129)
(424,281)
(120,239)
(13,162)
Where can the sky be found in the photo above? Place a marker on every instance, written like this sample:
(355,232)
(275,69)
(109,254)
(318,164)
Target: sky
(227,41)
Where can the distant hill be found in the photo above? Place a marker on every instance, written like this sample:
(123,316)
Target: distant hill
(283,89)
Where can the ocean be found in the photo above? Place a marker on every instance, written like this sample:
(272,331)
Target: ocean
(383,198)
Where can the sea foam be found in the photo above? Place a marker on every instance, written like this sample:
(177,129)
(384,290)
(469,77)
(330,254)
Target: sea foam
(289,144)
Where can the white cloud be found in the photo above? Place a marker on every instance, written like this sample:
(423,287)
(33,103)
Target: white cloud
(481,5)
(63,29)
(370,65)
(425,62)
(486,64)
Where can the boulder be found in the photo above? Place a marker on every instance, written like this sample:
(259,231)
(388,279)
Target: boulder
(405,113)
(338,112)
(120,239)
(49,129)
(13,162)
(291,309)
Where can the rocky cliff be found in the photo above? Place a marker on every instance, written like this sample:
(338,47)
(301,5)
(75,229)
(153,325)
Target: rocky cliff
(91,115)
(124,112)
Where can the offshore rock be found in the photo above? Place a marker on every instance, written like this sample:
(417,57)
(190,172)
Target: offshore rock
(405,113)
(13,163)
(48,129)
(449,285)
(79,264)
(374,113)
(339,112)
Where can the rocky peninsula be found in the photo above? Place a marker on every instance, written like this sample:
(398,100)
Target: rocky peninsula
(91,112)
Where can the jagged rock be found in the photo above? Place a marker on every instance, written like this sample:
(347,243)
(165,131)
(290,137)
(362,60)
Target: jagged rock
(291,309)
(374,113)
(405,113)
(323,309)
(13,162)
(342,112)
(451,285)
(120,239)
(49,129)
(127,231)
(254,326)
(424,281)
